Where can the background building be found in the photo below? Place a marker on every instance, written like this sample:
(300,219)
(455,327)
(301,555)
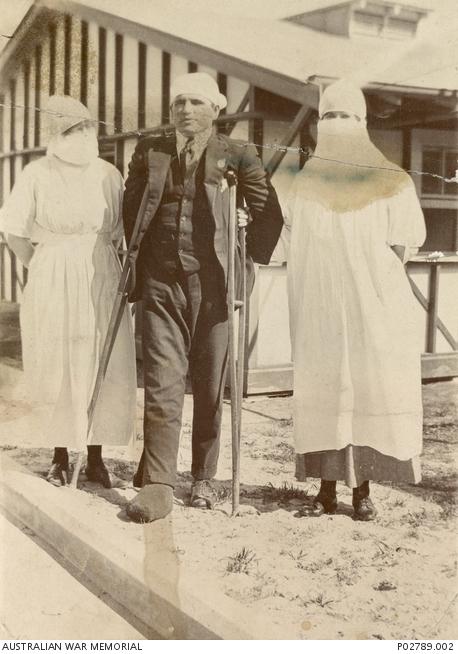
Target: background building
(271,61)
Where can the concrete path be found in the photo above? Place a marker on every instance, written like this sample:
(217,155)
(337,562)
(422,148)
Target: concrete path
(40,599)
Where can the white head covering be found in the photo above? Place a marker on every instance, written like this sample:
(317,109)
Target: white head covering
(200,84)
(62,113)
(346,172)
(343,96)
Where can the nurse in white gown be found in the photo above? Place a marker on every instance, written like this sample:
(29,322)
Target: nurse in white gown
(357,379)
(62,218)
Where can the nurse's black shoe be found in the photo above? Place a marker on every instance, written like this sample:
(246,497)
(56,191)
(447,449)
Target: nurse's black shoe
(324,502)
(59,474)
(363,506)
(98,473)
(321,505)
(364,510)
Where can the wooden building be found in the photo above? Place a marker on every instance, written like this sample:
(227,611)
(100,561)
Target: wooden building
(120,58)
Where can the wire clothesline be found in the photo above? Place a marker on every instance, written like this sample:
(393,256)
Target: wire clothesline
(269,146)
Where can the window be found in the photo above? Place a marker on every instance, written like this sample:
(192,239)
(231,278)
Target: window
(367,24)
(399,28)
(441,230)
(381,19)
(441,220)
(444,163)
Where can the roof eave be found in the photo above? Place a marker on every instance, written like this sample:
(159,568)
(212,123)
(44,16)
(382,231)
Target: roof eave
(398,89)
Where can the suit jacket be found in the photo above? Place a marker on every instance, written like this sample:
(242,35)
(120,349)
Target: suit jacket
(151,164)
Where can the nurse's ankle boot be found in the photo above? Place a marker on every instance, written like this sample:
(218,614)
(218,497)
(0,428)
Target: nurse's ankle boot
(59,473)
(96,470)
(362,503)
(325,501)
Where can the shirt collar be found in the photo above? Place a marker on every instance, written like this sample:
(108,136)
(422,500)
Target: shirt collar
(200,141)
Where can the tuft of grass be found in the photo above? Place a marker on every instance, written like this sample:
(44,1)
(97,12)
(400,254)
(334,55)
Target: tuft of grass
(242,562)
(284,493)
(263,588)
(320,600)
(449,509)
(384,585)
(416,518)
(222,494)
(281,453)
(347,577)
(357,535)
(297,557)
(123,469)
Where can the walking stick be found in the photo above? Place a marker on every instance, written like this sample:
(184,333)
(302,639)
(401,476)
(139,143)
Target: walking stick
(113,325)
(236,358)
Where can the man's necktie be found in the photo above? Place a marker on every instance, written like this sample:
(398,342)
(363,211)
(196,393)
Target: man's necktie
(187,156)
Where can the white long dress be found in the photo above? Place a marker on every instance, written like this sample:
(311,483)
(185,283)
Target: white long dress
(352,312)
(74,214)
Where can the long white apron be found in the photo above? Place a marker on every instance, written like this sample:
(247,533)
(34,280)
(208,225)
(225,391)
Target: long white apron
(357,377)
(64,318)
(74,215)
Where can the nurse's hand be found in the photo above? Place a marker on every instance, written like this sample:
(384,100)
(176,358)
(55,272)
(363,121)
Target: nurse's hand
(22,248)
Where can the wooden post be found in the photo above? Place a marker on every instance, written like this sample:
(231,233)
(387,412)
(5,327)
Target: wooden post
(2,149)
(255,126)
(2,270)
(406,147)
(142,62)
(440,325)
(432,307)
(102,91)
(37,96)
(13,268)
(84,61)
(67,53)
(301,118)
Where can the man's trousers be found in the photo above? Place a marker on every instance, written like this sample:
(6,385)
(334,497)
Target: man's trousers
(184,329)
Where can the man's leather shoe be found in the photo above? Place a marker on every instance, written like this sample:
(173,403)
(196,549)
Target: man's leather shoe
(153,502)
(364,509)
(321,504)
(59,474)
(98,473)
(203,494)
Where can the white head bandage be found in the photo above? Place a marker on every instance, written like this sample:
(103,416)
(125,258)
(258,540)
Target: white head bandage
(200,84)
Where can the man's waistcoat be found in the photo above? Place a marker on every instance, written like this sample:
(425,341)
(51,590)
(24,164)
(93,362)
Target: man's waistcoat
(182,230)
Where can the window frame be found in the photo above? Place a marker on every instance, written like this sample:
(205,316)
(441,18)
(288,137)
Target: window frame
(444,150)
(433,139)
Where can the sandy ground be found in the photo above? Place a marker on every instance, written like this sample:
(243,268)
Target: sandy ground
(330,577)
(68,606)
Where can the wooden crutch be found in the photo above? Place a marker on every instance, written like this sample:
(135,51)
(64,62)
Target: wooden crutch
(236,355)
(113,325)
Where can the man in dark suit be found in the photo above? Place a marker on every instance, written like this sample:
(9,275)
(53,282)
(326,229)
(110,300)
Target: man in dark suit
(181,277)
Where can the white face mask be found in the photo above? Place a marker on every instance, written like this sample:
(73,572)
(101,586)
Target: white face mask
(340,125)
(79,148)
